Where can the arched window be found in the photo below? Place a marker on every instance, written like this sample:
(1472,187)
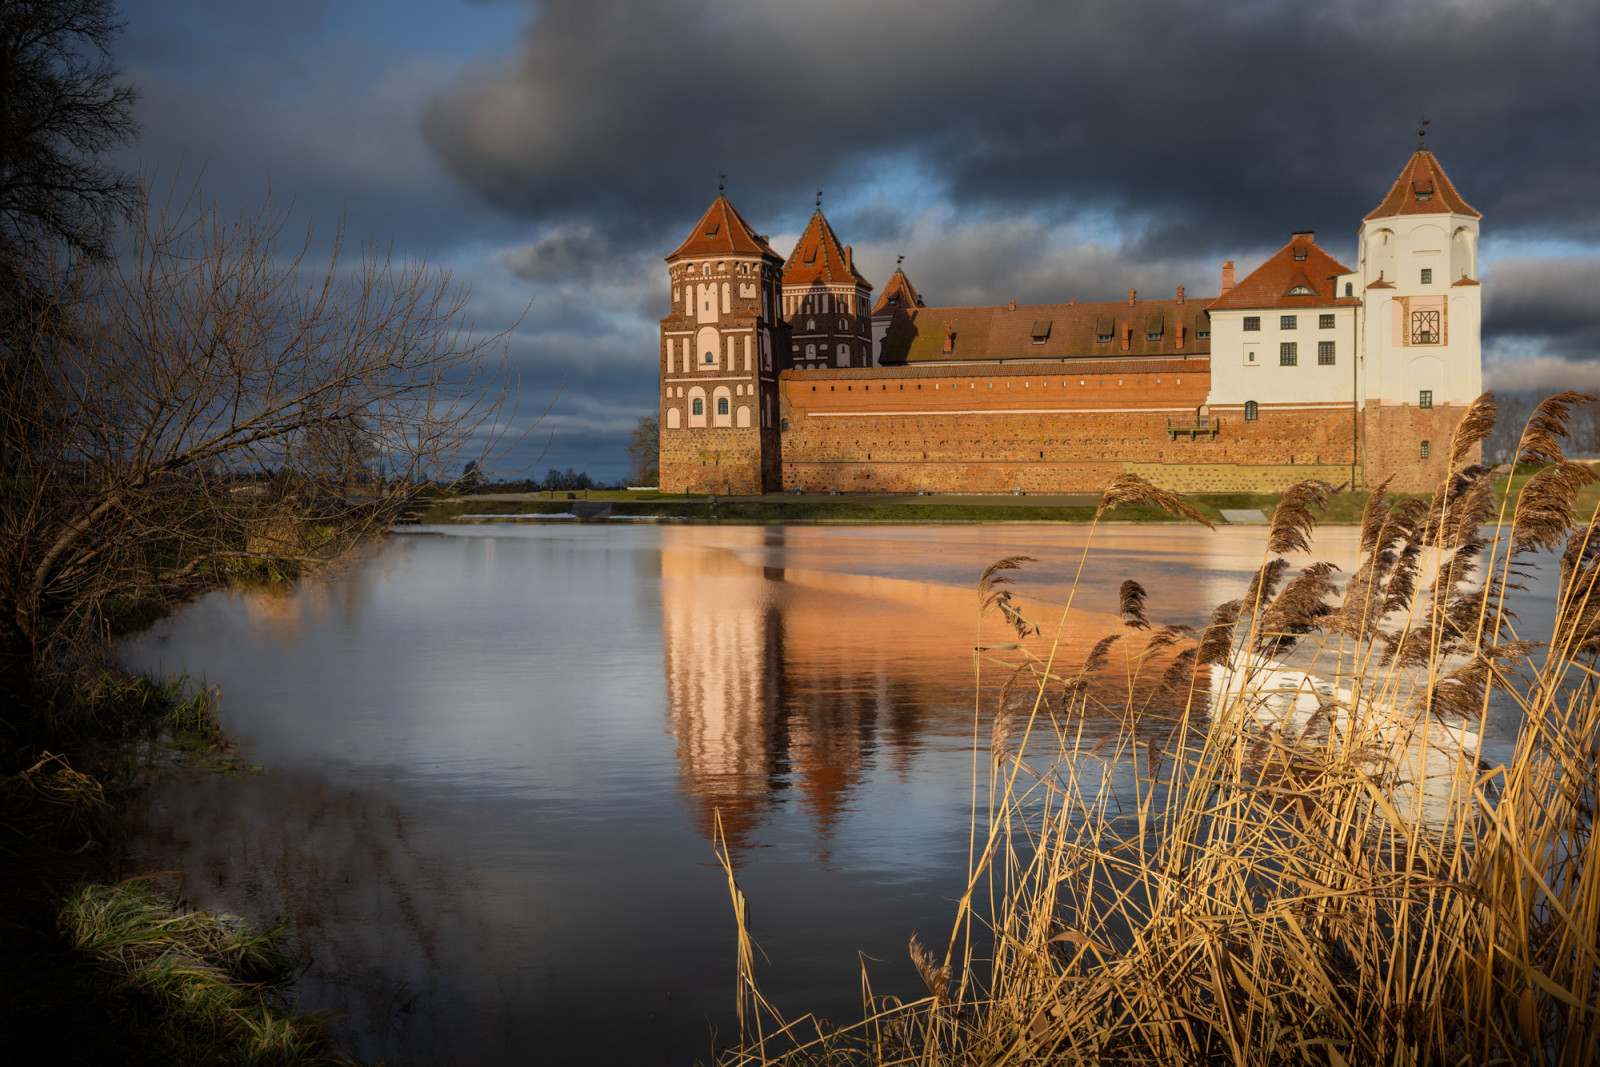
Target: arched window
(811,351)
(842,325)
(1301,290)
(697,406)
(1348,288)
(722,405)
(1250,411)
(710,357)
(811,324)
(1424,450)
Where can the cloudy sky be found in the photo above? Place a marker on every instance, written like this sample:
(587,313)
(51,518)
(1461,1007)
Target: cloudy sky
(553,152)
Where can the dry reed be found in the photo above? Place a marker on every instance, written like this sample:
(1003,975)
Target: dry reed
(1354,886)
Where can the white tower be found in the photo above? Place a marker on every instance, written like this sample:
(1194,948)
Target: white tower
(1421,310)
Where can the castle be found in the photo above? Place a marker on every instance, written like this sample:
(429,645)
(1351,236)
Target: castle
(785,376)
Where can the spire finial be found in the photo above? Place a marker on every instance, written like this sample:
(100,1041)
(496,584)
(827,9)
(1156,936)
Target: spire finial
(1422,135)
(898,260)
(819,199)
(722,182)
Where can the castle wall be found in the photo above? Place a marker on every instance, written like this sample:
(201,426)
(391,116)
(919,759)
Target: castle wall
(1065,428)
(1394,435)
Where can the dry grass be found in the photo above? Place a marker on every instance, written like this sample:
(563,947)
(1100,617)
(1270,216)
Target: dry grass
(1342,884)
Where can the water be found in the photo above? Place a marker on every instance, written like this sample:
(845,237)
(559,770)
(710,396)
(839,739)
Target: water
(493,758)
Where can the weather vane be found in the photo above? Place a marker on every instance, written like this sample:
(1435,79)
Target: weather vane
(722,182)
(819,197)
(1422,134)
(898,260)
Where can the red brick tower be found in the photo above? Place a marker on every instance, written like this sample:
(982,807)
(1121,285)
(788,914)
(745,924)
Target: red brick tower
(719,347)
(826,302)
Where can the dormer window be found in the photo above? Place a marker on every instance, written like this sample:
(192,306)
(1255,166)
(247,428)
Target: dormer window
(893,301)
(1422,190)
(1300,253)
(712,232)
(811,255)
(1041,331)
(1301,290)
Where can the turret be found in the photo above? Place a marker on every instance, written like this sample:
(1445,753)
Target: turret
(720,344)
(1422,309)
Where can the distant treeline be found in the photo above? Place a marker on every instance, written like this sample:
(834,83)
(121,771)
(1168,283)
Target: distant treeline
(554,480)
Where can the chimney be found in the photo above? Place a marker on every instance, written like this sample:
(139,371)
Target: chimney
(1073,300)
(1180,294)
(949,340)
(849,258)
(1127,334)
(1132,293)
(1011,306)
(1227,277)
(1182,329)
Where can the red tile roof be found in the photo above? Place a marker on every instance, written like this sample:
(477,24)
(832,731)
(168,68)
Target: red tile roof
(1423,189)
(898,292)
(1047,332)
(723,231)
(818,257)
(1269,285)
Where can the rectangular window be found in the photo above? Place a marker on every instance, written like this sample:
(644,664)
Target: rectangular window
(1102,337)
(1249,357)
(1202,333)
(1288,354)
(1324,322)
(1287,322)
(1324,353)
(1152,336)
(1427,275)
(1425,398)
(1424,450)
(1252,323)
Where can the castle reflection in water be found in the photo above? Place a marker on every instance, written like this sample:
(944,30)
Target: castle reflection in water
(790,686)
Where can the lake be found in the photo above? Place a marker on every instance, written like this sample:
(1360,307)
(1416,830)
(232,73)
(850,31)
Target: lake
(493,758)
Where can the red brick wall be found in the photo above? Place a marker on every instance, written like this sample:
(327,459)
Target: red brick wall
(1394,436)
(1071,429)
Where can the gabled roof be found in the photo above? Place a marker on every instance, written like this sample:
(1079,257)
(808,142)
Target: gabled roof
(1269,285)
(898,292)
(1062,331)
(722,231)
(1423,189)
(819,257)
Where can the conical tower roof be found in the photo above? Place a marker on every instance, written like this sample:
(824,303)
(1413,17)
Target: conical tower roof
(898,292)
(722,231)
(1423,189)
(819,257)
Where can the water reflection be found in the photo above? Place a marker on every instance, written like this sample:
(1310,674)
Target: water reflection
(493,756)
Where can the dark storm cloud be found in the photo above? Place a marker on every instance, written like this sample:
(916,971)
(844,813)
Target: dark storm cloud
(1196,124)
(1555,301)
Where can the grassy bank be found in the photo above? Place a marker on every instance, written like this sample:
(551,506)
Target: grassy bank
(1224,875)
(1342,508)
(124,972)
